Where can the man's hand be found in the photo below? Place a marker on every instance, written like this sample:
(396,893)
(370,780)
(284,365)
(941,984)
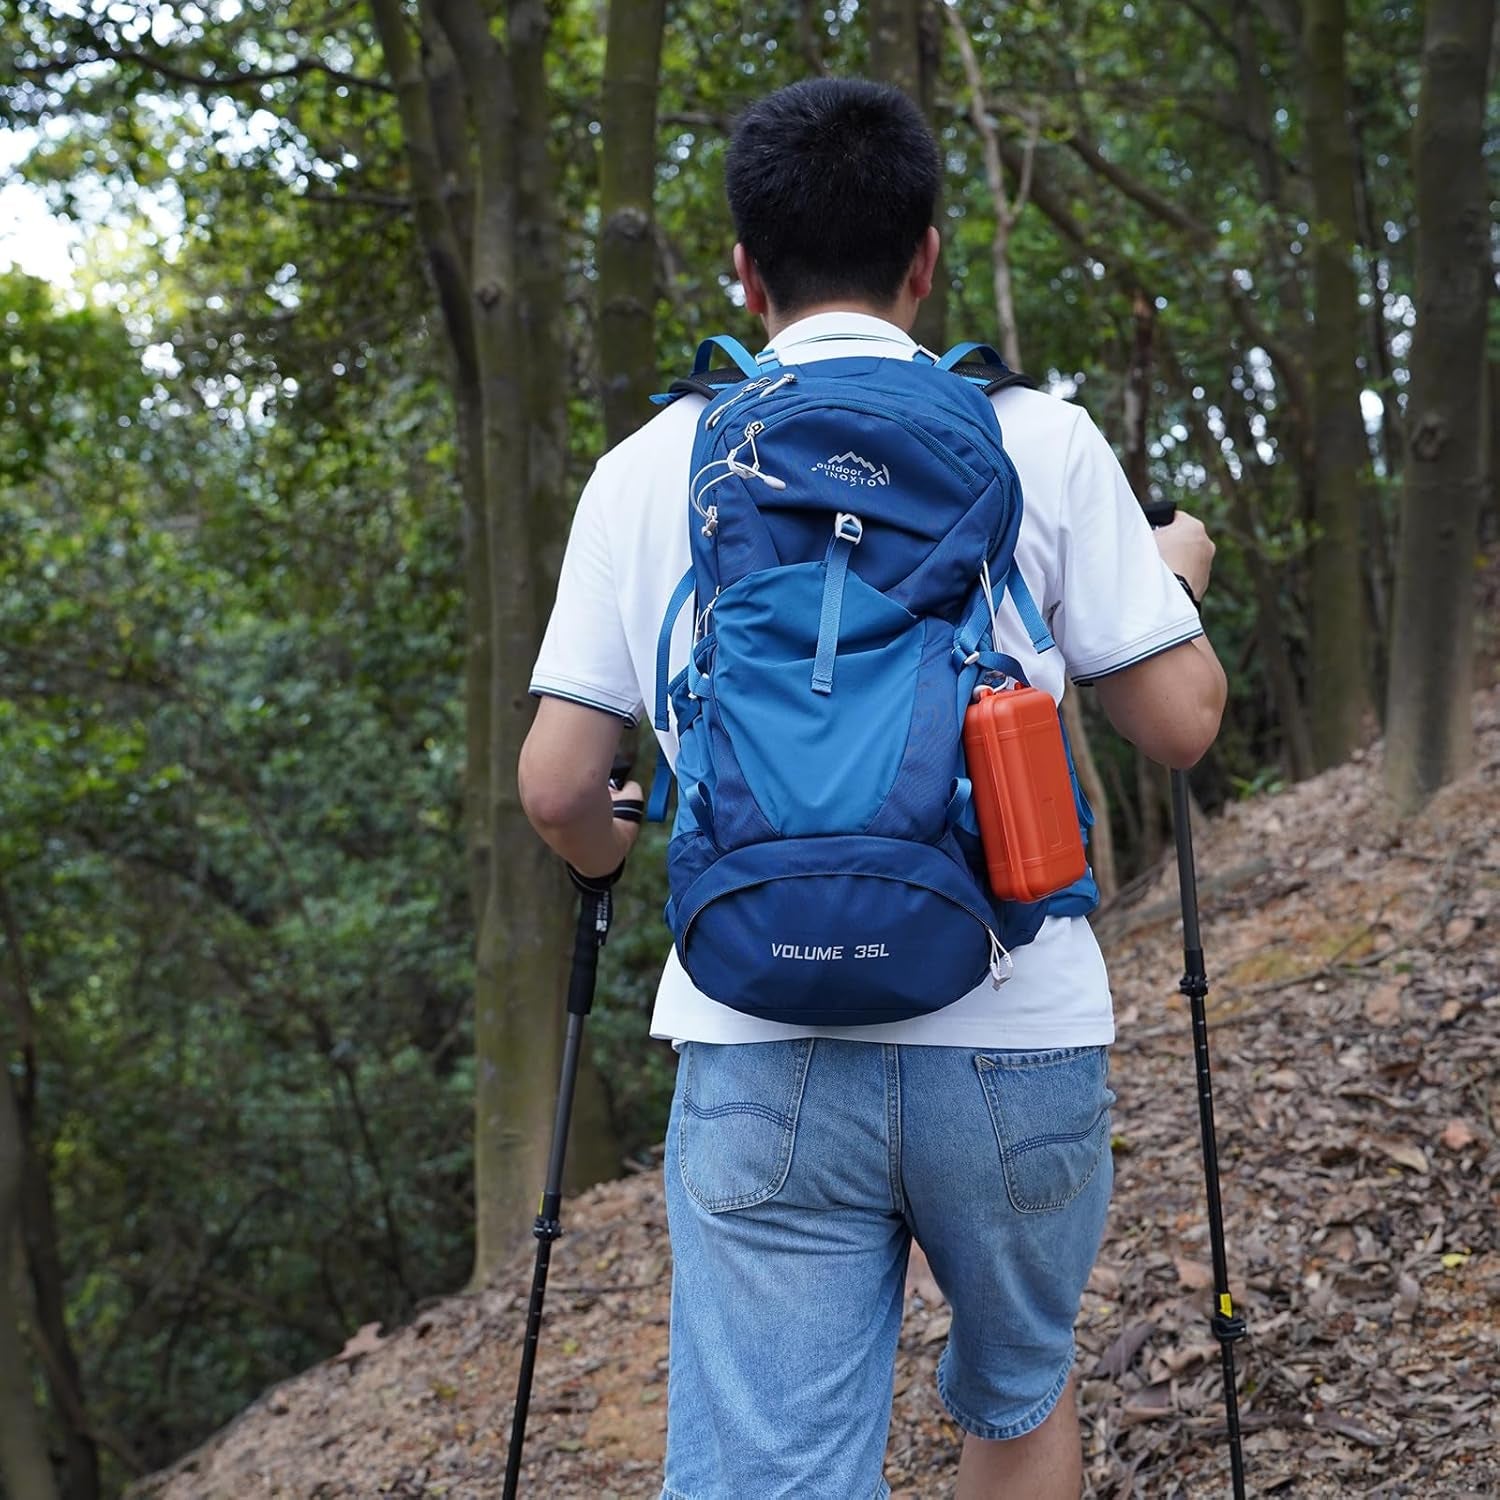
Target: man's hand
(565,787)
(1188,550)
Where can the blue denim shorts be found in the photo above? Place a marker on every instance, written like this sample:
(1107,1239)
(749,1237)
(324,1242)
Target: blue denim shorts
(797,1174)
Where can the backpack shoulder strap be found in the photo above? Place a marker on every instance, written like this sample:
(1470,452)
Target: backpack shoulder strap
(982,366)
(705,380)
(708,385)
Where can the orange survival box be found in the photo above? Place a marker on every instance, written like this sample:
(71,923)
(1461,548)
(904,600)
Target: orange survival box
(1023,795)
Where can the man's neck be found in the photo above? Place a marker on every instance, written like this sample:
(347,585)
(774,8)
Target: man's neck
(895,313)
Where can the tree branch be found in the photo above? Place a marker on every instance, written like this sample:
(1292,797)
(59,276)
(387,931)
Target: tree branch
(1156,204)
(446,254)
(214,80)
(1212,26)
(807,38)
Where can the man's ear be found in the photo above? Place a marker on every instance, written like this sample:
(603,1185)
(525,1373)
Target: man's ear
(920,277)
(756,301)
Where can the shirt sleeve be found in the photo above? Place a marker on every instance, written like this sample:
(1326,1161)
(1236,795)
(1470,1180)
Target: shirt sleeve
(1118,602)
(585,657)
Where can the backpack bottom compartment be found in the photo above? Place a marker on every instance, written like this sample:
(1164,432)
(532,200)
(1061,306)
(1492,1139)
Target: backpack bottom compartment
(829,931)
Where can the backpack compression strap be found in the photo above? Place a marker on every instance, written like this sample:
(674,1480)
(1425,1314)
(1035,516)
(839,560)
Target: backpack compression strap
(661,780)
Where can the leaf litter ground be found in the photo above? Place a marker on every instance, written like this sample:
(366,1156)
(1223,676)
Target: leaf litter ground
(1353,1018)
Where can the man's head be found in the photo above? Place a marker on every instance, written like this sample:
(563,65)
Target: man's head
(832,184)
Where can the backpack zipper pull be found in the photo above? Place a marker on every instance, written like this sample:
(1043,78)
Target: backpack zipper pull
(787,379)
(755,385)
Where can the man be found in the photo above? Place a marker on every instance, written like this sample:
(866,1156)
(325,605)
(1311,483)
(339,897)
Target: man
(801,1161)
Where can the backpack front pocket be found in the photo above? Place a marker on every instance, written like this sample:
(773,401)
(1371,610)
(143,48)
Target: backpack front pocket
(843,931)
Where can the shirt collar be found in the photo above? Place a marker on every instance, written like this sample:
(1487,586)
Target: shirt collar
(830,326)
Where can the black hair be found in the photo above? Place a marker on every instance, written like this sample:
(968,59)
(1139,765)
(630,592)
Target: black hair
(832,184)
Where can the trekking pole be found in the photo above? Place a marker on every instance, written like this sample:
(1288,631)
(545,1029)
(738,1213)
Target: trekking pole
(1228,1327)
(595,909)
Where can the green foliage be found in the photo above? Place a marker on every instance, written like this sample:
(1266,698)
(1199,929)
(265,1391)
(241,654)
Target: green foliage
(228,734)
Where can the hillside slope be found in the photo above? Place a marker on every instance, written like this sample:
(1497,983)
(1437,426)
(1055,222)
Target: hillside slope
(1354,1018)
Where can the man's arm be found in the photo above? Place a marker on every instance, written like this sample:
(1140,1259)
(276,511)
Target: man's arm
(564,783)
(1170,704)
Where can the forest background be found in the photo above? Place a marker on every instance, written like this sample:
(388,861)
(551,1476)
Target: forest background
(359,292)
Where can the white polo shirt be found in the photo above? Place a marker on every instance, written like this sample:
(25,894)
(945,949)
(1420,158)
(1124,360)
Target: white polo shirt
(1087,556)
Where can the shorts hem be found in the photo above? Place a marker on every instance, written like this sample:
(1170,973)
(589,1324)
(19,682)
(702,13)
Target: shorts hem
(882,1492)
(1024,1424)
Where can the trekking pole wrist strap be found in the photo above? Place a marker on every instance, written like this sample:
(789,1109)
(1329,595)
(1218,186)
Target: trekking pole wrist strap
(596,885)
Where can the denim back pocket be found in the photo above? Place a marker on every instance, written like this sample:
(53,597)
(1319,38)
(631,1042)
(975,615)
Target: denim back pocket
(738,1119)
(1051,1116)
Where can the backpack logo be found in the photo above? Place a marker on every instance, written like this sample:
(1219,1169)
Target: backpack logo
(850,468)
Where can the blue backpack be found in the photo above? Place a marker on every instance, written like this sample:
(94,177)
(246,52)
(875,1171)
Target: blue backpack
(852,524)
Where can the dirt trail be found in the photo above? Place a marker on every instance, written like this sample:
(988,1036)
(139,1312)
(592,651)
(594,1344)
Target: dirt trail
(1354,1016)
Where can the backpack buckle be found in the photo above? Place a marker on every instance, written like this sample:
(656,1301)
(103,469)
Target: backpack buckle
(848,527)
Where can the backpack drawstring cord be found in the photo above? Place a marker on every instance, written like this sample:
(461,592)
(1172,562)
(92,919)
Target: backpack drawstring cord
(735,468)
(989,599)
(1002,965)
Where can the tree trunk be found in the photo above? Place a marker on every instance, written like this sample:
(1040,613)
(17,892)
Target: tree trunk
(1101,837)
(1380,345)
(550,902)
(1138,394)
(50,1330)
(1007,211)
(476,133)
(41,1258)
(627,247)
(1489,502)
(1150,786)
(1101,843)
(905,50)
(24,1462)
(1430,730)
(1339,686)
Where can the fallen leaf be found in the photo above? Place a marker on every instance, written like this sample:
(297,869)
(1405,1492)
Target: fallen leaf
(1456,1258)
(1401,1152)
(1355,1431)
(937,1327)
(1193,1274)
(1383,1005)
(1149,1405)
(1408,1294)
(1115,1360)
(1188,1355)
(1450,1011)
(1456,1135)
(366,1341)
(1104,1280)
(1459,930)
